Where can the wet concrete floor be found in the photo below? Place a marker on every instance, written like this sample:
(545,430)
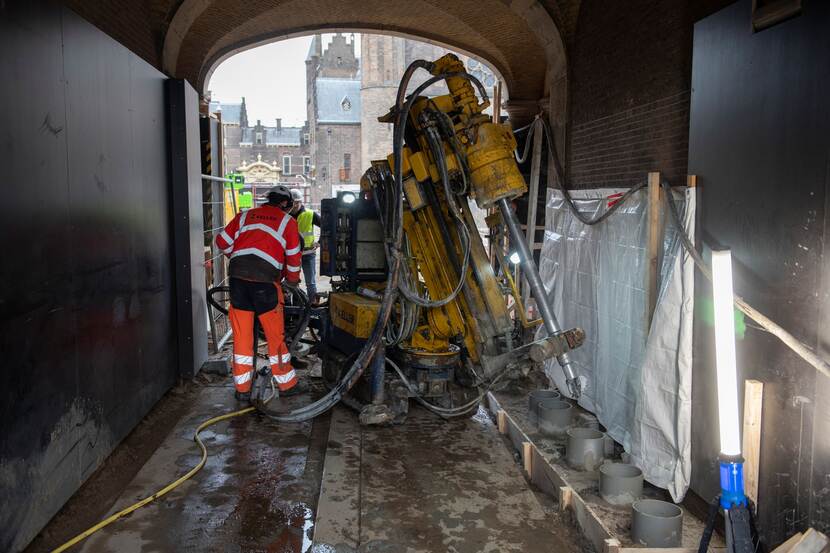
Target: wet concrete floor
(257,491)
(430,485)
(329,485)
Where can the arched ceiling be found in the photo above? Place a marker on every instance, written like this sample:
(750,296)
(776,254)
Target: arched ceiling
(518,38)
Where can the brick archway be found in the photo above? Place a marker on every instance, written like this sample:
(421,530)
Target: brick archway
(519,39)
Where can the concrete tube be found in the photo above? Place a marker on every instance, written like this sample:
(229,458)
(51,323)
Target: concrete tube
(656,523)
(586,448)
(533,400)
(555,417)
(620,484)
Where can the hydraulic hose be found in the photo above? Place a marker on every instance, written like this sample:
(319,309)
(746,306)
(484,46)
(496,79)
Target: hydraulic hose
(163,491)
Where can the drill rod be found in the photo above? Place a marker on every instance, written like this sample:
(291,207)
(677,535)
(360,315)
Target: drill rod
(538,291)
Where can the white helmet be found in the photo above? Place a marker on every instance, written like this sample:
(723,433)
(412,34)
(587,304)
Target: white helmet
(296,195)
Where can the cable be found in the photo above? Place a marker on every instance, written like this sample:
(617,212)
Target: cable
(560,176)
(166,489)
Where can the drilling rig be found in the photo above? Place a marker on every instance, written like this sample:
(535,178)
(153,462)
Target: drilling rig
(409,237)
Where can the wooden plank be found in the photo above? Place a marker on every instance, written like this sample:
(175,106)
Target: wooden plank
(810,542)
(565,497)
(338,509)
(691,181)
(527,458)
(653,245)
(501,421)
(753,405)
(532,200)
(787,546)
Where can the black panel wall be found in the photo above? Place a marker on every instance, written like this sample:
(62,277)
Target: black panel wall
(86,285)
(760,143)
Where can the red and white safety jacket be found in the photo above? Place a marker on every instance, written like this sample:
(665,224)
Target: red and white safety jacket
(268,233)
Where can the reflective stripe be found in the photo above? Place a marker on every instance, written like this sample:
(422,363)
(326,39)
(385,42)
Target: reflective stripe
(228,250)
(241,224)
(292,251)
(276,235)
(275,359)
(259,253)
(304,234)
(226,237)
(243,359)
(285,378)
(242,378)
(292,268)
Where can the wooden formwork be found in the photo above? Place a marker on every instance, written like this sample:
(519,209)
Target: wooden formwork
(551,479)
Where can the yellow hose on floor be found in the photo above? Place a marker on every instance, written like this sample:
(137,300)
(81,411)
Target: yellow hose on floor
(172,485)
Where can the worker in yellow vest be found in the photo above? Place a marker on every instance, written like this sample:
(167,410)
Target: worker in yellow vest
(306,220)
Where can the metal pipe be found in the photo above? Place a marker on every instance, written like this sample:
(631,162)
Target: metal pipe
(537,289)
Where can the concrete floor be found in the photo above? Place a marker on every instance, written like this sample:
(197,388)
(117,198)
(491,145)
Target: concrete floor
(331,486)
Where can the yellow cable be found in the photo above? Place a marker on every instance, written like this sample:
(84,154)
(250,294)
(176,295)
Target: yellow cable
(135,506)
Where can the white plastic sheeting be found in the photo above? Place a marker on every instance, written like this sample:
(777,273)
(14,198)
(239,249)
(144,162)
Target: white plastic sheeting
(638,382)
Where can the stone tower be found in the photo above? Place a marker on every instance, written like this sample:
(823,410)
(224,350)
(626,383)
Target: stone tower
(382,64)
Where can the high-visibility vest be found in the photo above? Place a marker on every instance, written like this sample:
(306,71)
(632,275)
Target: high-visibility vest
(268,233)
(305,224)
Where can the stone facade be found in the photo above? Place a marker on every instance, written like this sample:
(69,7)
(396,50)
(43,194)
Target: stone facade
(334,115)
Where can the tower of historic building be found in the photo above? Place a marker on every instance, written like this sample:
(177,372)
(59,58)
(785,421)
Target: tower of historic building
(382,65)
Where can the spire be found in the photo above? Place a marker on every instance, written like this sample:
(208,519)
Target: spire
(315,49)
(243,114)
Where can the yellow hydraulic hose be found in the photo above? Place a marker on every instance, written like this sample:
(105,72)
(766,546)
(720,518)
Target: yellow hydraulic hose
(135,506)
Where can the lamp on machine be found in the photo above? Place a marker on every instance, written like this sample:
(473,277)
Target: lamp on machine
(347,197)
(732,500)
(515,258)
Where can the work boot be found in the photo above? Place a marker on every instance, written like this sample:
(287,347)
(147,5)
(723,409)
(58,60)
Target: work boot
(299,363)
(244,397)
(300,387)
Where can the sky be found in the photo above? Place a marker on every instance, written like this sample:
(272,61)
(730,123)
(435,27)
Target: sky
(272,79)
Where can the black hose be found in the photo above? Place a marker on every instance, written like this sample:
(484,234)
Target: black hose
(560,176)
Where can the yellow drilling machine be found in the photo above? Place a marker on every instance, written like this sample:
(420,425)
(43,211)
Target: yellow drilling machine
(416,300)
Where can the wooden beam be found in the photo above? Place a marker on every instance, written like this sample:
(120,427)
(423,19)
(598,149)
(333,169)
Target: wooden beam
(653,246)
(501,419)
(691,181)
(527,458)
(532,199)
(753,405)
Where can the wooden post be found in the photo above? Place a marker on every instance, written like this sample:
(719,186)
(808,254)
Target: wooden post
(565,493)
(527,458)
(753,405)
(497,103)
(501,420)
(533,200)
(653,246)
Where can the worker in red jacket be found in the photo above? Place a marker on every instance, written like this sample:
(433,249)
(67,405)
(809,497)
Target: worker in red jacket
(264,247)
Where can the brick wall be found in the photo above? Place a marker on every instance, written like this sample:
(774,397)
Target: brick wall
(329,150)
(629,90)
(133,24)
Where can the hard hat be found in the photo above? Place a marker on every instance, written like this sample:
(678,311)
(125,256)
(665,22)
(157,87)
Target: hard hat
(278,194)
(296,194)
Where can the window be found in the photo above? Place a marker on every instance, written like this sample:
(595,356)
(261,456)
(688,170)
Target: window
(286,165)
(259,138)
(306,138)
(306,165)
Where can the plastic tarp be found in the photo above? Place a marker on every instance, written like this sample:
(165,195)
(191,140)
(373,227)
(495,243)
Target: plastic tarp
(636,379)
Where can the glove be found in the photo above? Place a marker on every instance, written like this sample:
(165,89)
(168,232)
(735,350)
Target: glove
(290,284)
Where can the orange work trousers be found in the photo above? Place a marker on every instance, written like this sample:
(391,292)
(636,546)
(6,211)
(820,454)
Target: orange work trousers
(264,301)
